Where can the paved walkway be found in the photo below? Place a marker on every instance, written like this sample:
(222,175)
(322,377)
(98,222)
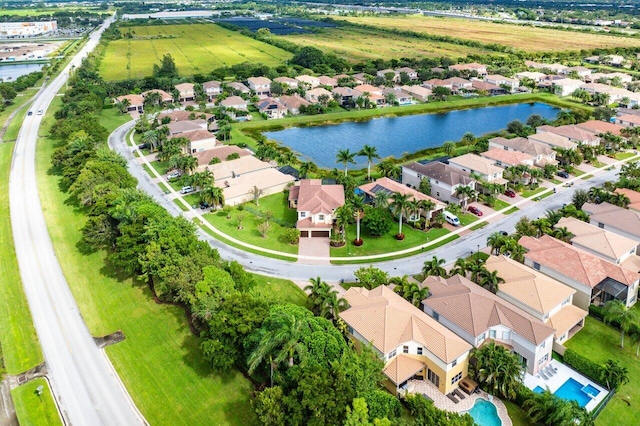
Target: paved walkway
(314,251)
(442,402)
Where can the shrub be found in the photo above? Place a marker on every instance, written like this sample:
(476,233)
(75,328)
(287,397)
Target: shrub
(583,365)
(291,235)
(382,404)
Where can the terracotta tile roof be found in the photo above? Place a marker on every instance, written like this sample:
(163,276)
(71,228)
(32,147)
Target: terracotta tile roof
(475,309)
(347,91)
(236,85)
(184,87)
(287,80)
(393,186)
(211,85)
(483,85)
(598,127)
(627,221)
(294,101)
(570,131)
(328,81)
(606,243)
(258,81)
(233,101)
(314,197)
(386,320)
(566,319)
(574,263)
(476,163)
(234,168)
(442,173)
(163,95)
(523,145)
(238,188)
(362,88)
(527,285)
(221,152)
(402,367)
(196,135)
(507,158)
(181,115)
(553,139)
(134,100)
(177,127)
(633,196)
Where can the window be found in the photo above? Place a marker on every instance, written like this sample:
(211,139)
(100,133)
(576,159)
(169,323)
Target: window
(350,329)
(320,217)
(506,335)
(436,316)
(536,266)
(543,344)
(454,363)
(419,352)
(392,354)
(492,334)
(405,349)
(565,301)
(482,337)
(433,377)
(456,378)
(543,359)
(506,148)
(600,225)
(437,194)
(303,214)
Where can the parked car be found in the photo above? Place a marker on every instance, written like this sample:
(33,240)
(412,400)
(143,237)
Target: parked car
(510,193)
(503,233)
(173,175)
(143,146)
(563,174)
(474,210)
(30,113)
(204,205)
(186,189)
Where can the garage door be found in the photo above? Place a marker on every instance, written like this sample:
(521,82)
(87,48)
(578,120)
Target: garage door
(320,234)
(304,234)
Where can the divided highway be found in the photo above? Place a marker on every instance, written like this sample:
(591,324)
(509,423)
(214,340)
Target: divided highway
(84,383)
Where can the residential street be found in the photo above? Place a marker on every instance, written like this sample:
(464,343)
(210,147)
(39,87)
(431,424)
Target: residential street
(84,383)
(461,247)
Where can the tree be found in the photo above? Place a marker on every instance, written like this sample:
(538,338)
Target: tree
(497,370)
(270,408)
(614,375)
(440,93)
(376,221)
(167,68)
(263,228)
(549,410)
(345,157)
(305,168)
(490,280)
(425,186)
(359,415)
(371,153)
(255,193)
(468,139)
(323,299)
(461,267)
(357,206)
(449,148)
(399,204)
(615,310)
(371,277)
(388,168)
(411,291)
(579,198)
(495,241)
(434,267)
(212,195)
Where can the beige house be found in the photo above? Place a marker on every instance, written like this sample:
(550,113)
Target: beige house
(260,85)
(504,158)
(633,196)
(483,167)
(308,81)
(574,133)
(164,96)
(499,80)
(598,127)
(313,95)
(212,89)
(595,280)
(552,140)
(411,73)
(615,219)
(328,81)
(293,103)
(181,127)
(458,83)
(417,92)
(542,154)
(410,343)
(235,102)
(566,86)
(199,140)
(383,74)
(480,69)
(345,95)
(444,179)
(221,152)
(289,82)
(136,102)
(628,120)
(479,316)
(545,298)
(531,75)
(182,115)
(186,92)
(237,87)
(316,205)
(271,108)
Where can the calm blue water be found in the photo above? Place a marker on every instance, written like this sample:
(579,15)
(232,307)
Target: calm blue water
(396,136)
(484,413)
(10,72)
(571,390)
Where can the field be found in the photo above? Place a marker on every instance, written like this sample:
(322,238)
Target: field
(361,44)
(527,38)
(196,49)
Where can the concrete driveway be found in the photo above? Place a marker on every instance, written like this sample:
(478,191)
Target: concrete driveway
(314,247)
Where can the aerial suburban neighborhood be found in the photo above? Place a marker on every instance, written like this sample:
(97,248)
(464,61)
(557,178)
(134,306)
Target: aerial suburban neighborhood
(280,213)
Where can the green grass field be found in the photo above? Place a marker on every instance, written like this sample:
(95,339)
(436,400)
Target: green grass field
(34,410)
(196,49)
(600,342)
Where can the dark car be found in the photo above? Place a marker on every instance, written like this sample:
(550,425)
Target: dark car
(143,146)
(510,193)
(30,113)
(563,174)
(475,210)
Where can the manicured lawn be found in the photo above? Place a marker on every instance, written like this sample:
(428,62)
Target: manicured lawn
(160,361)
(624,155)
(599,342)
(516,414)
(577,172)
(531,192)
(32,409)
(112,118)
(499,205)
(195,48)
(467,218)
(586,177)
(279,289)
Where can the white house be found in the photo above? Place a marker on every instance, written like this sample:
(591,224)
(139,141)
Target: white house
(316,205)
(260,85)
(444,179)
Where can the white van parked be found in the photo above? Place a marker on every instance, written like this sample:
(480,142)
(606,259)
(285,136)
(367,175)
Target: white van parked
(451,218)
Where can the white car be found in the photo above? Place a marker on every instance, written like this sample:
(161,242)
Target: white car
(40,112)
(173,175)
(186,189)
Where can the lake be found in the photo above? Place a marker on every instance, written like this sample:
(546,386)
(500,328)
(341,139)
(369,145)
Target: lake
(10,72)
(397,136)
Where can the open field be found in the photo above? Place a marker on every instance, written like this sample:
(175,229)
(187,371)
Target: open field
(527,38)
(196,49)
(362,44)
(160,361)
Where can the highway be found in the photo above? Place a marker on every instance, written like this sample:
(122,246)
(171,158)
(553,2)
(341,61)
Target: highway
(84,383)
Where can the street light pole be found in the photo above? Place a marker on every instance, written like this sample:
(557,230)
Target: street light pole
(478,253)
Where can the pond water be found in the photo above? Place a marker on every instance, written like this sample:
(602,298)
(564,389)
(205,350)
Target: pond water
(397,136)
(10,72)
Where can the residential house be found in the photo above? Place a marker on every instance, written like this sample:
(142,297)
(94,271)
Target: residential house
(545,298)
(552,140)
(308,81)
(572,132)
(499,80)
(235,102)
(238,88)
(490,88)
(314,95)
(600,127)
(186,92)
(444,179)
(373,93)
(401,97)
(537,77)
(164,97)
(615,219)
(383,74)
(595,280)
(633,196)
(179,127)
(566,86)
(436,82)
(362,78)
(623,77)
(438,70)
(556,68)
(389,187)
(316,205)
(135,102)
(605,244)
(287,82)
(220,152)
(615,94)
(199,140)
(581,72)
(346,96)
(542,154)
(479,69)
(505,158)
(260,85)
(183,115)
(417,92)
(458,84)
(479,316)
(483,167)
(271,108)
(293,103)
(411,73)
(212,89)
(410,343)
(628,120)
(328,81)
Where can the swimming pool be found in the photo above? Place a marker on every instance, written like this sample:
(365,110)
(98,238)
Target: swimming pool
(484,413)
(576,391)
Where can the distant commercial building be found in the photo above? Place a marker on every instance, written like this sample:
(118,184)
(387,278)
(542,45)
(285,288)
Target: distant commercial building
(21,29)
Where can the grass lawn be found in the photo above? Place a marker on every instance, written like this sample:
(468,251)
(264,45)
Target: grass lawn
(279,289)
(624,155)
(586,177)
(599,342)
(160,361)
(577,172)
(531,192)
(196,48)
(467,218)
(499,205)
(20,346)
(32,409)
(516,414)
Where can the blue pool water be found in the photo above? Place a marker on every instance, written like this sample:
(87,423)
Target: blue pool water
(484,413)
(538,389)
(591,390)
(572,390)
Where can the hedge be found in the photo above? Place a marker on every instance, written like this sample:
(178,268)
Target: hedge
(598,313)
(584,365)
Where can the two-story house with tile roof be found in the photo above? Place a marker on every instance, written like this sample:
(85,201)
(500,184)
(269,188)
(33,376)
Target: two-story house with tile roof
(542,154)
(615,219)
(574,133)
(316,205)
(483,167)
(444,179)
(260,85)
(212,89)
(186,92)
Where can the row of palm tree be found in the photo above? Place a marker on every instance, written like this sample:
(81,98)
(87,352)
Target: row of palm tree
(346,157)
(410,290)
(601,195)
(323,300)
(473,268)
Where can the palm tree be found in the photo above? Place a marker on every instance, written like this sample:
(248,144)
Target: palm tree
(498,370)
(615,310)
(151,138)
(449,148)
(388,168)
(323,300)
(399,204)
(495,241)
(427,206)
(381,200)
(371,153)
(416,294)
(317,292)
(553,216)
(345,157)
(464,193)
(305,168)
(434,268)
(542,226)
(549,410)
(212,195)
(490,280)
(189,164)
(614,375)
(357,206)
(476,266)
(634,334)
(468,139)
(281,344)
(562,234)
(460,267)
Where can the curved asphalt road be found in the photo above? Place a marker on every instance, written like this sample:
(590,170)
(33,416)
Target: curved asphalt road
(461,247)
(84,383)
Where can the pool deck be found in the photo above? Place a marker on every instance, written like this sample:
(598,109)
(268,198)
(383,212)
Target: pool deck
(553,383)
(442,402)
